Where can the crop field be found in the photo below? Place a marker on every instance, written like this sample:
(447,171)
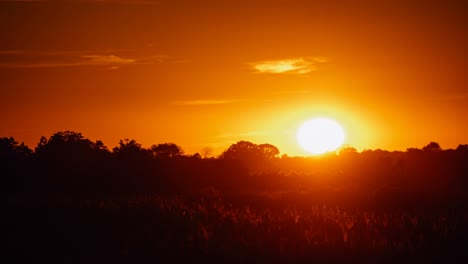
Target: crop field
(155,228)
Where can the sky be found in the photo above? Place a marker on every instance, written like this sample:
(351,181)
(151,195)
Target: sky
(210,73)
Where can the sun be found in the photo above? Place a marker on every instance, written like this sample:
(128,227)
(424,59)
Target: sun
(320,135)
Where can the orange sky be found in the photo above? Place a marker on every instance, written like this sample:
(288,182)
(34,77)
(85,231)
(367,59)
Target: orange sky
(210,73)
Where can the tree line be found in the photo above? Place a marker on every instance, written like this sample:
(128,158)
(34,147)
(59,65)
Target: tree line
(67,163)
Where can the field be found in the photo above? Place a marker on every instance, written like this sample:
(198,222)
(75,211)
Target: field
(210,228)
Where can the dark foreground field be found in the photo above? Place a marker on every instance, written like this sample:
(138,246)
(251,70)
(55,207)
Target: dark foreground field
(212,229)
(74,201)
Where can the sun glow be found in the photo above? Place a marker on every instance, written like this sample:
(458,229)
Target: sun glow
(320,135)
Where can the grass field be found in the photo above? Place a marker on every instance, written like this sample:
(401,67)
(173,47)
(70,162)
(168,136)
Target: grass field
(216,229)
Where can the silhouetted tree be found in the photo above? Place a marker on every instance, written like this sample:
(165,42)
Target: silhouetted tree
(131,164)
(462,148)
(413,150)
(68,146)
(130,149)
(240,151)
(346,150)
(10,149)
(196,156)
(268,151)
(432,147)
(99,146)
(71,163)
(206,152)
(14,164)
(166,150)
(250,154)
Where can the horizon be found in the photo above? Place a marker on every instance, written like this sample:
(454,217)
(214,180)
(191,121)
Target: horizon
(209,74)
(215,154)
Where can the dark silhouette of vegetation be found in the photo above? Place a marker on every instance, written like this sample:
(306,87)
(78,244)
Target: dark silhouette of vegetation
(244,150)
(247,205)
(251,155)
(206,152)
(14,160)
(69,163)
(166,150)
(432,147)
(11,150)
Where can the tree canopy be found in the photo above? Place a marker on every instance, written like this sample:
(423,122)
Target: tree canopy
(245,150)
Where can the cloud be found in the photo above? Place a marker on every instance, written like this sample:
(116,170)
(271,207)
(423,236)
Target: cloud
(134,2)
(21,1)
(86,60)
(106,60)
(62,58)
(205,102)
(127,2)
(21,52)
(11,52)
(288,66)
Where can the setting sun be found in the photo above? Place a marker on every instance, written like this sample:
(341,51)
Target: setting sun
(320,135)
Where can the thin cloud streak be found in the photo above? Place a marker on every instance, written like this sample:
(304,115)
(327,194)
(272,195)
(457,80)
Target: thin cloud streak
(21,1)
(21,52)
(17,59)
(288,66)
(86,60)
(106,59)
(127,2)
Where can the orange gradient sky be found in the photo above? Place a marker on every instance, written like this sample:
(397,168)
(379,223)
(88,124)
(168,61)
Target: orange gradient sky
(211,73)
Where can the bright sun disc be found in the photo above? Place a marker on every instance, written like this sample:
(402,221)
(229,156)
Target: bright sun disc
(320,135)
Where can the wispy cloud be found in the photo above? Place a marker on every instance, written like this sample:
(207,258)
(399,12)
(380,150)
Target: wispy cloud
(132,2)
(288,66)
(11,52)
(128,2)
(88,60)
(26,52)
(62,58)
(206,102)
(21,1)
(106,59)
